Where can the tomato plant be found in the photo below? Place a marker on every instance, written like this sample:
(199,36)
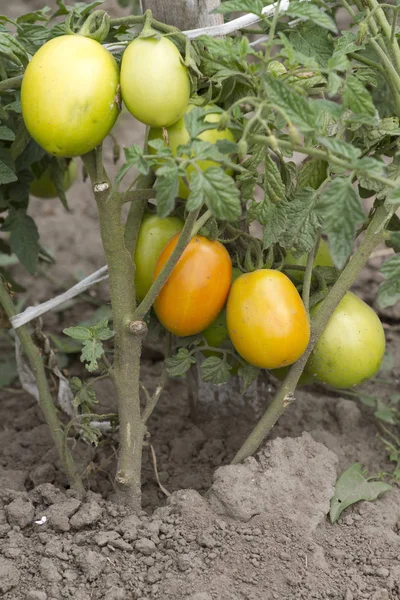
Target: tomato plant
(178,135)
(44,187)
(155,83)
(154,233)
(197,288)
(351,348)
(267,321)
(69,95)
(323,258)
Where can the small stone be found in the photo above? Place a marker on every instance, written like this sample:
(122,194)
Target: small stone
(153,575)
(184,562)
(382,572)
(105,537)
(50,494)
(49,570)
(91,563)
(128,527)
(206,540)
(87,515)
(58,514)
(9,575)
(145,546)
(36,595)
(20,512)
(116,593)
(70,575)
(121,545)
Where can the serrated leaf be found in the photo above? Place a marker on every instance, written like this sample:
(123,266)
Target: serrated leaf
(313,173)
(313,42)
(215,370)
(12,50)
(311,12)
(389,290)
(134,157)
(386,414)
(218,191)
(79,332)
(180,363)
(351,487)
(347,43)
(7,167)
(394,196)
(340,207)
(248,374)
(356,97)
(6,134)
(195,122)
(296,107)
(92,350)
(273,218)
(303,222)
(273,184)
(340,148)
(248,6)
(167,189)
(101,330)
(24,238)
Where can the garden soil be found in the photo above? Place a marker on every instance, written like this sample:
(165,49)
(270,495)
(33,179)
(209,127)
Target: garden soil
(256,531)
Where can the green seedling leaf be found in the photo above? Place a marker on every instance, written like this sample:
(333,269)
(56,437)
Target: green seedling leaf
(180,363)
(215,370)
(79,332)
(92,350)
(217,190)
(353,486)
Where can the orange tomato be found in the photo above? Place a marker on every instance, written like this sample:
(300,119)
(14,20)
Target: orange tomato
(197,289)
(267,320)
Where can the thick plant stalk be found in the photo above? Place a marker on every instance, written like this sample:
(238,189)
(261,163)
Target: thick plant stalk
(285,395)
(45,398)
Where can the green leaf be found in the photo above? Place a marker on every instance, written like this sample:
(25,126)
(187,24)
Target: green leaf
(356,97)
(389,290)
(369,401)
(167,189)
(394,196)
(353,486)
(24,238)
(346,43)
(394,241)
(7,167)
(12,50)
(6,134)
(195,123)
(312,41)
(273,218)
(248,375)
(341,210)
(215,370)
(296,107)
(134,156)
(340,148)
(311,12)
(79,332)
(248,6)
(313,173)
(92,350)
(273,184)
(303,222)
(387,363)
(386,414)
(65,345)
(217,189)
(180,363)
(101,330)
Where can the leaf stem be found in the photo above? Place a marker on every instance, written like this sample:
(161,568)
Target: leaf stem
(387,30)
(45,398)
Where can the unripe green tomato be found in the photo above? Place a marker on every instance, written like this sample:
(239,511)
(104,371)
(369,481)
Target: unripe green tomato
(44,186)
(154,234)
(351,348)
(323,259)
(179,136)
(155,85)
(69,95)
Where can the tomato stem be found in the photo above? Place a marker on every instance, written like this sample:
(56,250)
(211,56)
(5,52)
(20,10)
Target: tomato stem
(308,273)
(374,235)
(46,402)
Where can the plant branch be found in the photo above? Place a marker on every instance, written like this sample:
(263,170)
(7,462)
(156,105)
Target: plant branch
(137,209)
(152,400)
(308,272)
(374,235)
(184,239)
(45,399)
(387,30)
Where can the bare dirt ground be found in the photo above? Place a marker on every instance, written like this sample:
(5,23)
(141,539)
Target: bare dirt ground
(261,531)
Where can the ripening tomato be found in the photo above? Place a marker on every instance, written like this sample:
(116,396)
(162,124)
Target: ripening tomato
(155,83)
(178,136)
(197,288)
(267,320)
(351,348)
(44,187)
(69,95)
(322,259)
(154,234)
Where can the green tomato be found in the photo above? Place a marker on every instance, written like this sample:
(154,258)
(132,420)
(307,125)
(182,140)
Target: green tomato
(44,186)
(351,348)
(69,95)
(323,259)
(155,85)
(154,234)
(179,136)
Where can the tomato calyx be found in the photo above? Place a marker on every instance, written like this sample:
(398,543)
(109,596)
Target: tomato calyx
(95,27)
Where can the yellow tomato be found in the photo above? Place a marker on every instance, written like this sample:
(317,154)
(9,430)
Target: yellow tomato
(267,321)
(179,136)
(69,95)
(155,84)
